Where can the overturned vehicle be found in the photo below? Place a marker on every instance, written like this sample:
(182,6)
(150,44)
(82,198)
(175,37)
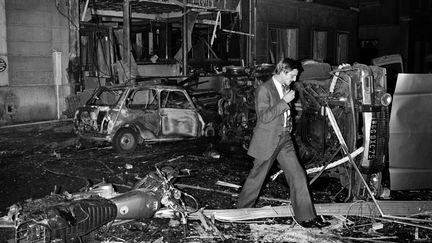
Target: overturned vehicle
(126,115)
(357,98)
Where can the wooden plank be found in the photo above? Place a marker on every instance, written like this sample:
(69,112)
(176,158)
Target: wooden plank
(229,193)
(359,208)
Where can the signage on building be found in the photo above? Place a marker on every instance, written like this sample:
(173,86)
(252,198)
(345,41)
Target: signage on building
(202,3)
(3,65)
(229,5)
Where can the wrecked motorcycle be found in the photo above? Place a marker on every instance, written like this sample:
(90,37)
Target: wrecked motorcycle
(66,217)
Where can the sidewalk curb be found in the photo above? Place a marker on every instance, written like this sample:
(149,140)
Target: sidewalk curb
(35,123)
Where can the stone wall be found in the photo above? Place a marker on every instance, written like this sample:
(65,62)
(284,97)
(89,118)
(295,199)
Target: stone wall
(35,30)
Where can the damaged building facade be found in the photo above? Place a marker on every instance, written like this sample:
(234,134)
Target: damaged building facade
(44,57)
(49,55)
(42,61)
(319,30)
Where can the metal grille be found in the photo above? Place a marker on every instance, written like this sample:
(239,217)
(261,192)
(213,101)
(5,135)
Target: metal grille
(31,232)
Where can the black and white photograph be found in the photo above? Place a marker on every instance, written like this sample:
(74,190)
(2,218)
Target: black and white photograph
(159,121)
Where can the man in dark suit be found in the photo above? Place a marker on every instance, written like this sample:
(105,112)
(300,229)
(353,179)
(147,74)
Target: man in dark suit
(272,140)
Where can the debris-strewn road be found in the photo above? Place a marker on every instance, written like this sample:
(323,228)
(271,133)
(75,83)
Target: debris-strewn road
(36,160)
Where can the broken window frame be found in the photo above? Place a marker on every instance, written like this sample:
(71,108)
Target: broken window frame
(342,50)
(319,45)
(156,38)
(96,51)
(285,44)
(101,95)
(168,100)
(151,103)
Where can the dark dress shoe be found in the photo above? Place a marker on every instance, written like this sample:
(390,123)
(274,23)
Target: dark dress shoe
(314,223)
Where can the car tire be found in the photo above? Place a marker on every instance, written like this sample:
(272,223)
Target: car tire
(125,140)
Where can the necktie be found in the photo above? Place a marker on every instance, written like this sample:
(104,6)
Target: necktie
(287,114)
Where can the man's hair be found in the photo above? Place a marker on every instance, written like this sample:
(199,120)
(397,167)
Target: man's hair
(288,64)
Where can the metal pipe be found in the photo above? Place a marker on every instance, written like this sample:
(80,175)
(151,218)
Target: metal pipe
(166,40)
(185,39)
(392,220)
(249,39)
(85,10)
(345,149)
(238,32)
(215,28)
(111,50)
(253,47)
(126,39)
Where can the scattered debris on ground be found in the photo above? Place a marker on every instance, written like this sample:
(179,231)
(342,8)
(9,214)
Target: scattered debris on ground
(33,169)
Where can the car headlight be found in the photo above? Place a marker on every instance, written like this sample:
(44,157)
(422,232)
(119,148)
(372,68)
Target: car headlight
(386,99)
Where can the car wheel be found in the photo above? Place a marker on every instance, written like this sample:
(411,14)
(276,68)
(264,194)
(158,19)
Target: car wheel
(209,131)
(125,140)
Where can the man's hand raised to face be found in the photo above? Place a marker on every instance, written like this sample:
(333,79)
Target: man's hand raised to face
(289,96)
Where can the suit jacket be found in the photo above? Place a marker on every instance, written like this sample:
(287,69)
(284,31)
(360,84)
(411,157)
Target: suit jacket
(270,119)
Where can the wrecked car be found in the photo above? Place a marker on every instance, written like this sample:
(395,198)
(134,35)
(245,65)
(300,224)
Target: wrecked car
(357,96)
(127,115)
(358,99)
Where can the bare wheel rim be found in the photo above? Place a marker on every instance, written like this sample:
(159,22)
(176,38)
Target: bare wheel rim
(127,141)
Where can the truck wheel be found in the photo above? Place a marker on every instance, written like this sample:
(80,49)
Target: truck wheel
(125,140)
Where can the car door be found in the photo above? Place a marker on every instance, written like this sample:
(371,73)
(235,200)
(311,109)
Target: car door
(179,117)
(142,110)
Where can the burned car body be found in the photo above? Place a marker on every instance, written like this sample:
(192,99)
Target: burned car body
(126,115)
